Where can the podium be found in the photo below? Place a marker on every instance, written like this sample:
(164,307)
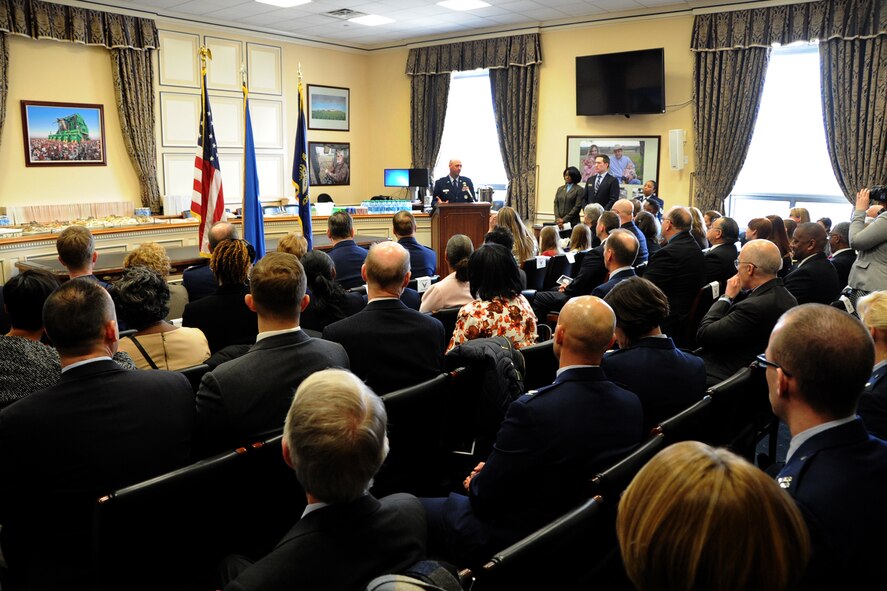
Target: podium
(448,219)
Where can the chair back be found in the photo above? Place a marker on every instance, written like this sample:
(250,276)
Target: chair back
(741,410)
(447,317)
(557,266)
(535,270)
(692,423)
(611,482)
(706,296)
(421,284)
(577,261)
(640,268)
(195,374)
(541,365)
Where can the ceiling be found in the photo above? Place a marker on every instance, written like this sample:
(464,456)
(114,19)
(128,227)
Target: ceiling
(414,20)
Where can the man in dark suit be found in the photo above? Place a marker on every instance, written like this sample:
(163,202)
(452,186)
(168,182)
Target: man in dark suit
(602,187)
(423,260)
(335,440)
(98,429)
(620,251)
(721,257)
(666,379)
(625,210)
(389,345)
(592,272)
(735,327)
(678,269)
(346,254)
(246,399)
(843,256)
(552,439)
(814,279)
(454,188)
(199,280)
(817,362)
(76,251)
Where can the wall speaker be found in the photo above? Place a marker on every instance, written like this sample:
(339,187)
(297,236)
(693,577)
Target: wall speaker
(676,140)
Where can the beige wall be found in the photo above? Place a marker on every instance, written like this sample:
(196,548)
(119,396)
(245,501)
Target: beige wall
(380,110)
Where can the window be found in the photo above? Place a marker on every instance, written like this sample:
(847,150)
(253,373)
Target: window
(470,133)
(788,164)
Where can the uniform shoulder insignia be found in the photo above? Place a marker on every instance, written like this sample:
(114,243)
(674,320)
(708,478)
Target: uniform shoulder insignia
(784,481)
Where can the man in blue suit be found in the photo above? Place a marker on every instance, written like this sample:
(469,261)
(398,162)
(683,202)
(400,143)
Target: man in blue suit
(423,260)
(551,442)
(835,471)
(454,188)
(346,254)
(625,210)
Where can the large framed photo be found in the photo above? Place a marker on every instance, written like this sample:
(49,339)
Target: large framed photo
(329,164)
(329,107)
(633,159)
(63,134)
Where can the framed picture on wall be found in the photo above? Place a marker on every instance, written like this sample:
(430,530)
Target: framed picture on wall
(63,134)
(634,159)
(329,107)
(329,164)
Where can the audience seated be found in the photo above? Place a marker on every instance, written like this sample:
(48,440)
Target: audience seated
(779,237)
(665,378)
(650,226)
(790,226)
(549,242)
(452,290)
(499,308)
(525,246)
(98,429)
(246,399)
(329,302)
(872,406)
(153,256)
(799,214)
(814,279)
(625,210)
(423,260)
(701,518)
(709,217)
(346,254)
(223,316)
(294,244)
(76,250)
(141,297)
(390,345)
(580,239)
(697,227)
(736,326)
(843,257)
(199,280)
(818,361)
(758,229)
(591,214)
(335,441)
(620,252)
(678,270)
(551,442)
(720,258)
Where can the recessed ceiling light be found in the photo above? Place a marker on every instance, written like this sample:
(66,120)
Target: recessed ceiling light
(463,4)
(371,20)
(284,3)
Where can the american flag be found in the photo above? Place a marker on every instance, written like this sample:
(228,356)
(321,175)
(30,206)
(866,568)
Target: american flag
(207,201)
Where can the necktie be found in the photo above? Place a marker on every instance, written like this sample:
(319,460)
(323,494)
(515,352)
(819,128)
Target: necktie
(597,182)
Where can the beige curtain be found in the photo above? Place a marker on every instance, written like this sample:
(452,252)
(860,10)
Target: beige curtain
(4,85)
(428,110)
(516,107)
(133,75)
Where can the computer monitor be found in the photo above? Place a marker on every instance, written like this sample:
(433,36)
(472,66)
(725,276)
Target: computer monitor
(397,177)
(418,177)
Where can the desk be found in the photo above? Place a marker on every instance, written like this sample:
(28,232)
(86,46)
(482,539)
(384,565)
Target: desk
(110,264)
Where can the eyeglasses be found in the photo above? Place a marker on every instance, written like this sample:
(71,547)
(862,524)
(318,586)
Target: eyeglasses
(737,262)
(764,362)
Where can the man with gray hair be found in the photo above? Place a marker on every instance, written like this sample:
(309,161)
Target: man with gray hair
(843,256)
(390,345)
(335,440)
(737,327)
(199,279)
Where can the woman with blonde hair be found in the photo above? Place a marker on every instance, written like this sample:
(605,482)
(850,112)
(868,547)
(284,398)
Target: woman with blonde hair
(872,406)
(697,229)
(153,256)
(580,239)
(294,244)
(525,246)
(696,517)
(799,214)
(549,242)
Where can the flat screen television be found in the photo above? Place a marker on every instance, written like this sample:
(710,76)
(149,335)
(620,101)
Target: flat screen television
(418,177)
(397,177)
(627,83)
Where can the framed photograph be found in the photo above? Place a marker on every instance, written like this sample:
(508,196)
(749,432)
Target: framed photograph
(329,164)
(634,159)
(63,134)
(329,108)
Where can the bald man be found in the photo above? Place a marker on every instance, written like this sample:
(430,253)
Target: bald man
(454,188)
(737,327)
(814,280)
(552,440)
(625,210)
(390,345)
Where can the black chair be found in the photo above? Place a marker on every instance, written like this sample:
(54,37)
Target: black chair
(362,289)
(557,266)
(577,261)
(414,282)
(416,462)
(535,273)
(692,423)
(195,374)
(741,410)
(447,317)
(127,333)
(541,365)
(706,296)
(324,198)
(639,269)
(611,482)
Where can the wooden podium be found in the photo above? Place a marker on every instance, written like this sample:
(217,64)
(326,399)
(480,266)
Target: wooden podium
(448,219)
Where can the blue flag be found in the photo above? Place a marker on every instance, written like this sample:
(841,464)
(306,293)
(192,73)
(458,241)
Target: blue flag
(300,172)
(253,223)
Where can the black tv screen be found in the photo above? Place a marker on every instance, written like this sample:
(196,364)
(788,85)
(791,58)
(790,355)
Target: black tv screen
(628,83)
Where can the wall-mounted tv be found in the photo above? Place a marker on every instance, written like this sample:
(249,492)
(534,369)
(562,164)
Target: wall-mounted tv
(627,83)
(397,177)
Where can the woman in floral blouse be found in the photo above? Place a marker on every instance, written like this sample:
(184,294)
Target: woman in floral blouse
(499,308)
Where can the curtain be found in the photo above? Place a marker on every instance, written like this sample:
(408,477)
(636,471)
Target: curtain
(133,75)
(428,110)
(4,73)
(727,94)
(515,93)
